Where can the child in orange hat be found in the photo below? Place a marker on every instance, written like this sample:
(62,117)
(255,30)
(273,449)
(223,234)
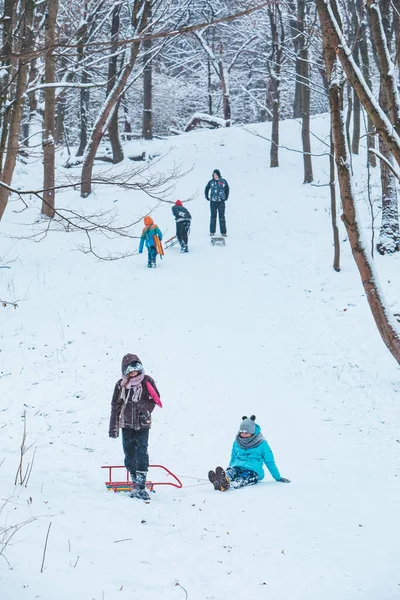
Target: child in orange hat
(149,233)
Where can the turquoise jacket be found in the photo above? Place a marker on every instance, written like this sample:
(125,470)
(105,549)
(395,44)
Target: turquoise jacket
(254,458)
(147,238)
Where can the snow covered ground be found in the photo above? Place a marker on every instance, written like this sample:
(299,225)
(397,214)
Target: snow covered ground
(262,326)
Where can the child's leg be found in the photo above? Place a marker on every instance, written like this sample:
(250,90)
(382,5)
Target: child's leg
(129,448)
(241,477)
(179,232)
(153,255)
(149,256)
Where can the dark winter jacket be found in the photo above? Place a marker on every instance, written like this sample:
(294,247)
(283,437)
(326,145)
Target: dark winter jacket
(128,414)
(217,190)
(181,214)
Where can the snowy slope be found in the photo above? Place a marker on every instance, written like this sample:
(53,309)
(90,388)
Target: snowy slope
(262,326)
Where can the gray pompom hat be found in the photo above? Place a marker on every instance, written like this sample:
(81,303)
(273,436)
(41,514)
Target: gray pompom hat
(248,425)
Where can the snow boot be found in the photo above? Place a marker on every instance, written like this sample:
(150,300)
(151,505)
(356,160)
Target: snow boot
(212,476)
(222,478)
(140,491)
(219,479)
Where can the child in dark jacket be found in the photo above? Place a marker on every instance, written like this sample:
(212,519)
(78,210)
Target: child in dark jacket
(250,452)
(149,234)
(133,401)
(183,219)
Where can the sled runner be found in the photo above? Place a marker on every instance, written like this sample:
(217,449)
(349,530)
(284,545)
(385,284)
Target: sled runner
(158,245)
(171,242)
(126,485)
(217,240)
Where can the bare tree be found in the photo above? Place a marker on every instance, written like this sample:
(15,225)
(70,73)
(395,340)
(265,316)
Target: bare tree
(49,111)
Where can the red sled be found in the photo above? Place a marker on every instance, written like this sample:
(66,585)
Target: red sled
(126,484)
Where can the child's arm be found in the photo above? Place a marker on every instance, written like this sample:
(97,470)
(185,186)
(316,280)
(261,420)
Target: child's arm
(227,190)
(141,244)
(116,403)
(158,232)
(269,461)
(233,454)
(207,189)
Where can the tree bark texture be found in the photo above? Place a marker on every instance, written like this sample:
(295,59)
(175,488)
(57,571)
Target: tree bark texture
(113,130)
(274,66)
(305,96)
(332,184)
(147,124)
(48,203)
(330,26)
(6,63)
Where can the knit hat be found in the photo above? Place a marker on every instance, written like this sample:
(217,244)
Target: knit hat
(178,203)
(217,172)
(248,425)
(148,221)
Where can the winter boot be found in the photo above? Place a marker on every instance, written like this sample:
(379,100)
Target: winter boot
(213,479)
(140,491)
(133,477)
(222,478)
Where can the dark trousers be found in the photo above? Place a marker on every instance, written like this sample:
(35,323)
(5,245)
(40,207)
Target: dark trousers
(134,444)
(217,207)
(182,232)
(240,477)
(152,254)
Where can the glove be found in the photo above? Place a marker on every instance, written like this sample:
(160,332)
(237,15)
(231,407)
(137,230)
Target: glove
(113,434)
(284,480)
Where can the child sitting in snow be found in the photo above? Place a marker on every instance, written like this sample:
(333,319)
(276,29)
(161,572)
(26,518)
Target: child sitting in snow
(249,452)
(151,236)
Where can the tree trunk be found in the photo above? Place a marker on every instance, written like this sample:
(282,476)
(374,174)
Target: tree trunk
(330,27)
(209,90)
(6,63)
(27,35)
(84,93)
(139,22)
(113,131)
(332,184)
(275,73)
(355,145)
(225,91)
(296,27)
(147,124)
(305,96)
(49,112)
(365,68)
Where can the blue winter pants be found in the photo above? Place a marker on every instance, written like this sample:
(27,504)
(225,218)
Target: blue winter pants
(240,477)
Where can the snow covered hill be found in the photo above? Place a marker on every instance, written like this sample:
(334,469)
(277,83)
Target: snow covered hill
(263,326)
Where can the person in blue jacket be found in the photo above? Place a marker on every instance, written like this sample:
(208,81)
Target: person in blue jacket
(217,193)
(250,452)
(148,238)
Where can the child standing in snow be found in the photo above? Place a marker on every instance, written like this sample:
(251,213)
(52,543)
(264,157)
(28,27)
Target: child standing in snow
(133,401)
(151,235)
(249,452)
(183,219)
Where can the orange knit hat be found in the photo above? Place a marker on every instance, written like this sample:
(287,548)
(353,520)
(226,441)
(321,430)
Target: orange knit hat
(148,221)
